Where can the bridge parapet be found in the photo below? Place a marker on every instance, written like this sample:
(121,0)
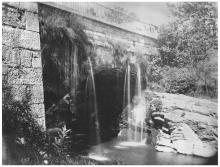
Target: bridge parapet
(100,12)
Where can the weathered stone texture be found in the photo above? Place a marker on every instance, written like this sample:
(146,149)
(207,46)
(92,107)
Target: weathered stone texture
(28,6)
(15,57)
(10,36)
(30,40)
(37,110)
(13,17)
(105,40)
(21,57)
(19,92)
(36,60)
(32,22)
(24,76)
(37,94)
(26,58)
(30,76)
(20,38)
(32,93)
(10,56)
(11,75)
(107,30)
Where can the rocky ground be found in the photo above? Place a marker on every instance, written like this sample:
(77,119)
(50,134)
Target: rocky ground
(187,125)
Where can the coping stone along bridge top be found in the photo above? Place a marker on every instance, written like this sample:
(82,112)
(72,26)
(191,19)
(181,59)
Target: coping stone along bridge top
(99,12)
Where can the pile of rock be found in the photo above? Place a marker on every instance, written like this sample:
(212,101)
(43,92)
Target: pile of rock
(183,140)
(185,124)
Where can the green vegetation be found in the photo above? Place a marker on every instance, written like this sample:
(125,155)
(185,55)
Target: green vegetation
(25,141)
(188,50)
(21,133)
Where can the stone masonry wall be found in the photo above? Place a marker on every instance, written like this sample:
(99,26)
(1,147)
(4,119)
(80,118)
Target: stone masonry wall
(105,37)
(21,56)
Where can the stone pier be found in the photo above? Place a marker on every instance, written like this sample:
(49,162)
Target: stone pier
(21,56)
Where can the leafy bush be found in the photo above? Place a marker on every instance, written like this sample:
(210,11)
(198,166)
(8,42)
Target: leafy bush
(189,42)
(179,80)
(207,73)
(24,138)
(22,134)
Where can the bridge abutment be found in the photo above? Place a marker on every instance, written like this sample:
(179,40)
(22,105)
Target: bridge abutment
(21,55)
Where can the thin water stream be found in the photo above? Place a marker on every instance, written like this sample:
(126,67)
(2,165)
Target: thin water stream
(93,99)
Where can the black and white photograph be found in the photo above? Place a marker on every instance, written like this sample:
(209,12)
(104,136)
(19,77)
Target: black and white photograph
(109,83)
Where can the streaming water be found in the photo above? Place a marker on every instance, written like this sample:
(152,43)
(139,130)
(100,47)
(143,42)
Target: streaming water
(138,81)
(139,110)
(127,99)
(135,115)
(94,115)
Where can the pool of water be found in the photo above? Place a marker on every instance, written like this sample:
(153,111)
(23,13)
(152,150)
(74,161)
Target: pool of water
(132,153)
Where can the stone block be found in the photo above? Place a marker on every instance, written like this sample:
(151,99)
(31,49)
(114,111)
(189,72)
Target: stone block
(19,92)
(37,110)
(10,36)
(13,17)
(12,75)
(24,76)
(10,56)
(30,40)
(36,60)
(20,38)
(31,76)
(32,93)
(37,94)
(32,22)
(26,58)
(28,6)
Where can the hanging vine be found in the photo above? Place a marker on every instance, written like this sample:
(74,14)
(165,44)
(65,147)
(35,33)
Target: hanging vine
(64,48)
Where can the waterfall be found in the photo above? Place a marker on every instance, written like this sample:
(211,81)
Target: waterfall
(137,113)
(138,81)
(127,99)
(92,102)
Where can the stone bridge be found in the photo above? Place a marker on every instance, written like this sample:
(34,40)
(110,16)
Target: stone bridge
(21,47)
